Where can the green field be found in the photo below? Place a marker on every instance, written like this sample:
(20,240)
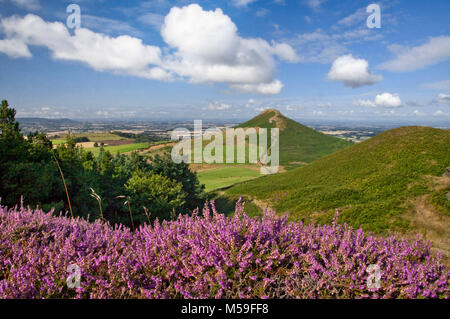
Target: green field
(226,176)
(93,137)
(113,148)
(100,137)
(58,141)
(119,148)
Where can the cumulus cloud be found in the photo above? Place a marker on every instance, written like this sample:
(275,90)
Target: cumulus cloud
(285,52)
(388,100)
(204,47)
(352,72)
(208,49)
(436,50)
(123,54)
(15,48)
(385,99)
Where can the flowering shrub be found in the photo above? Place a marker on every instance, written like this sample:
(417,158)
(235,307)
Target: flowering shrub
(209,256)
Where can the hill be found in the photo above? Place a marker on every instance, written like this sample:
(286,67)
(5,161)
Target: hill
(299,144)
(391,182)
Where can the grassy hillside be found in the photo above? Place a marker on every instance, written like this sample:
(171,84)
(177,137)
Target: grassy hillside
(298,143)
(390,182)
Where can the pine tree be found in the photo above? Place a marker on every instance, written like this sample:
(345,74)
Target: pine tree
(9,126)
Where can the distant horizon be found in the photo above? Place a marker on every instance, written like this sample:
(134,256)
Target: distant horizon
(387,61)
(301,120)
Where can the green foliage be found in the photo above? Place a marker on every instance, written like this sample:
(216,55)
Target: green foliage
(81,139)
(159,194)
(29,169)
(138,138)
(180,172)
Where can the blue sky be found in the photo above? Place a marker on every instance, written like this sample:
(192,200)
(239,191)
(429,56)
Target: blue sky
(160,59)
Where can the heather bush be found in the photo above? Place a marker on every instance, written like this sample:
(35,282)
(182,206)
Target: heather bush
(209,255)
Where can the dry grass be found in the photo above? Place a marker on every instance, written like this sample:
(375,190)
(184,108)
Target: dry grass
(430,224)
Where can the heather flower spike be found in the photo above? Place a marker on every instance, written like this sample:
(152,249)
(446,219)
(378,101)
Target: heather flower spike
(211,256)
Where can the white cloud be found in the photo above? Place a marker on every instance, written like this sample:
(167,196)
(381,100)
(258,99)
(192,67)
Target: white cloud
(418,113)
(442,99)
(352,72)
(261,109)
(217,106)
(385,99)
(388,100)
(436,50)
(364,103)
(123,54)
(285,52)
(273,87)
(439,113)
(27,4)
(209,50)
(441,85)
(15,48)
(205,47)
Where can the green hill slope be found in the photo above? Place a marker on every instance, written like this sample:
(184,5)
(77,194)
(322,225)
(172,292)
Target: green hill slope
(298,143)
(390,182)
